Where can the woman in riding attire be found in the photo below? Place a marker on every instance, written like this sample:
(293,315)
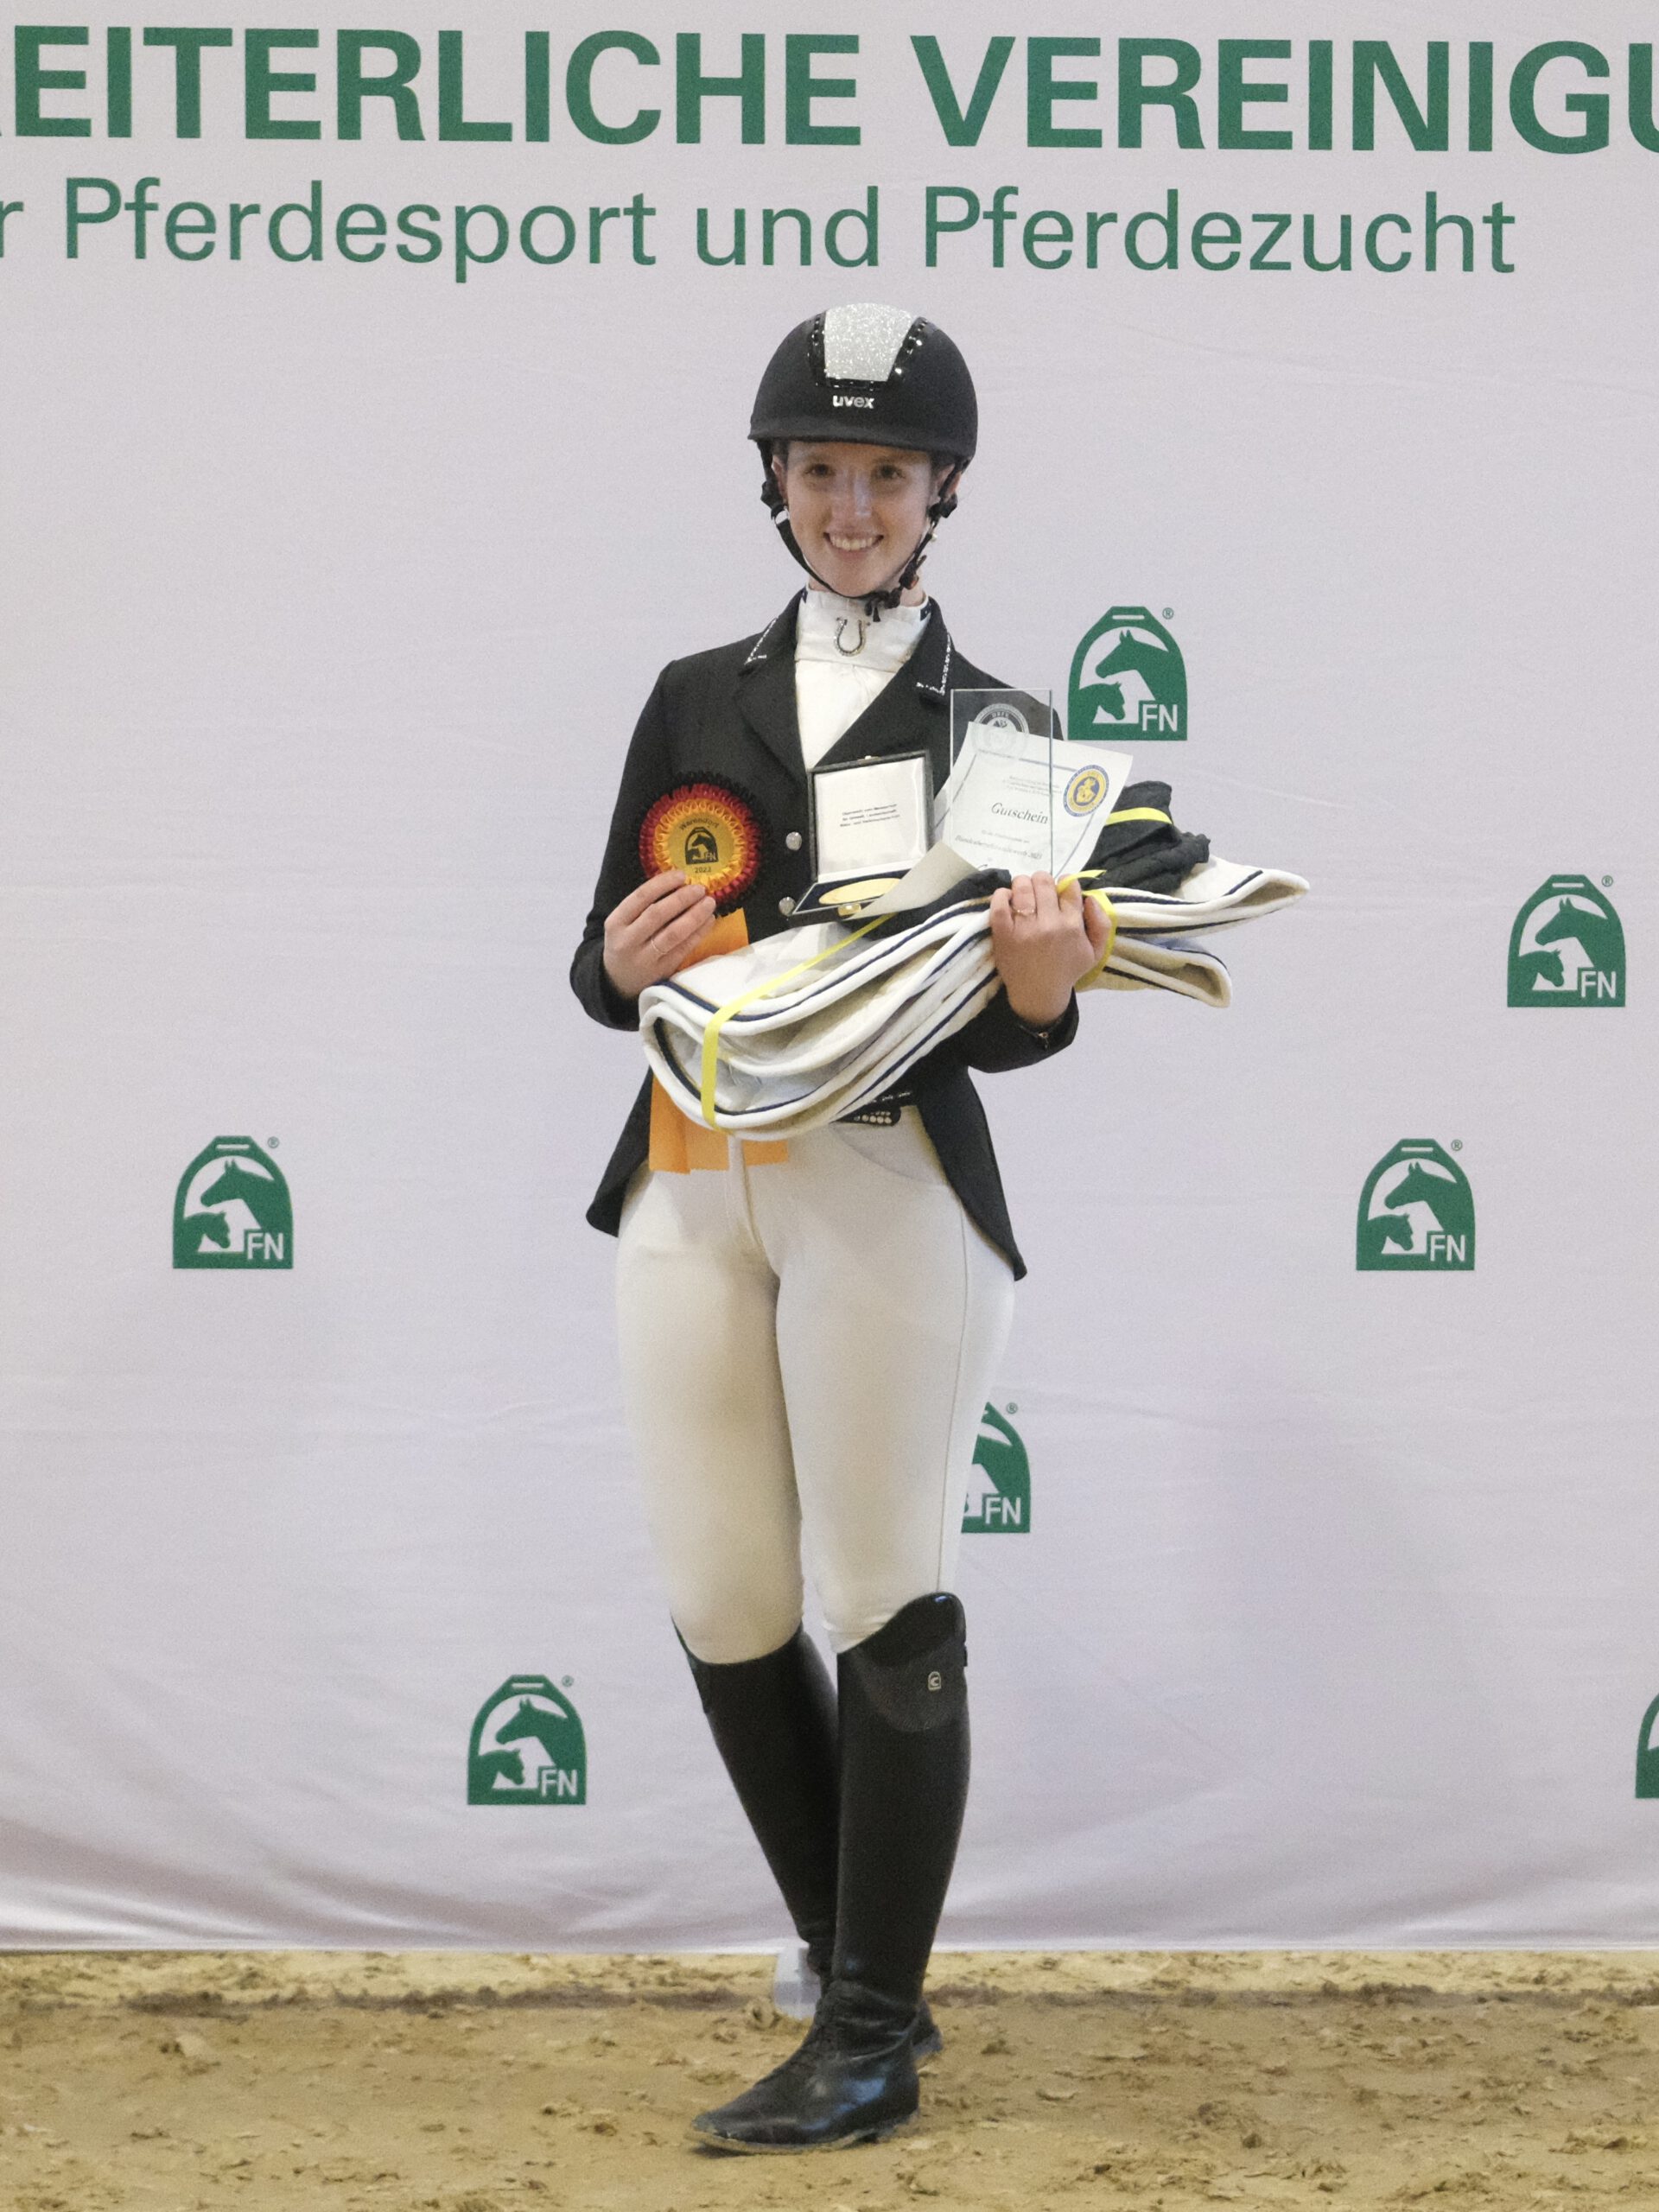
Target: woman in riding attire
(809,1332)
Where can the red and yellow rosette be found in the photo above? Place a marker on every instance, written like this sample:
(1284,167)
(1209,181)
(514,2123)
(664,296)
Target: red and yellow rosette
(709,834)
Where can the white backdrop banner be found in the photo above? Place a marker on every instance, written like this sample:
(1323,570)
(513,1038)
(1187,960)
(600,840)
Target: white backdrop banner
(375,402)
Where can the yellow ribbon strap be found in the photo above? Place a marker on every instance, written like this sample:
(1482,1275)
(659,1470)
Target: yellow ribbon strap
(718,1019)
(678,1145)
(1088,875)
(1085,877)
(1101,901)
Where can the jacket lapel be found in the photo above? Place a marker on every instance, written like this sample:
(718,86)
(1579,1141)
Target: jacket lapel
(765,691)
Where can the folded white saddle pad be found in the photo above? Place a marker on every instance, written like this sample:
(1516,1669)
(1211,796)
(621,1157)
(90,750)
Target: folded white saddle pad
(803,1027)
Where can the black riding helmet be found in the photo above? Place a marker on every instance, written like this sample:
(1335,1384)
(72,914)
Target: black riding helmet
(869,375)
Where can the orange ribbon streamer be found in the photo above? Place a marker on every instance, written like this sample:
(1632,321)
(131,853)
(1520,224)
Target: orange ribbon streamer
(678,1145)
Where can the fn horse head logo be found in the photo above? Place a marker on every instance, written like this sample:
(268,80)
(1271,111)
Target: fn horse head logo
(1566,947)
(1647,1755)
(527,1747)
(1128,676)
(233,1210)
(1416,1211)
(999,1483)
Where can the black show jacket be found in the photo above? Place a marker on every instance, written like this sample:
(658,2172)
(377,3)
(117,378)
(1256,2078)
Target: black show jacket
(728,716)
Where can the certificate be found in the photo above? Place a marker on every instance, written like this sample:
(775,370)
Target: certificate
(1018,800)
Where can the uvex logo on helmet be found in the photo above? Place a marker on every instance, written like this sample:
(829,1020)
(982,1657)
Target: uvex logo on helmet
(850,399)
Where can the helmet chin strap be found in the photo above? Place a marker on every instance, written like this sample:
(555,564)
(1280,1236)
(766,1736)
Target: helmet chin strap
(875,602)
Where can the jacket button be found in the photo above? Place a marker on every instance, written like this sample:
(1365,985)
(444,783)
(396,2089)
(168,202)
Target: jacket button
(793,841)
(785,906)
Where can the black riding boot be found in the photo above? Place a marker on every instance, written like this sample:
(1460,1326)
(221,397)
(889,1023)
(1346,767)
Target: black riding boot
(773,1722)
(904,1782)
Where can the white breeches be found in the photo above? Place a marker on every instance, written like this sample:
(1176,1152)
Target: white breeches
(806,1347)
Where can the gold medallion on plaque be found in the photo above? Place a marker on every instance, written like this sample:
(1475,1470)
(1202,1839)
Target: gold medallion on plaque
(710,834)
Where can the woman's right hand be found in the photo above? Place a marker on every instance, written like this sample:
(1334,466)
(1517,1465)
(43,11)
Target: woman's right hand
(654,930)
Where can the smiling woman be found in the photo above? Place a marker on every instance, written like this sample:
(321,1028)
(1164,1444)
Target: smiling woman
(809,1332)
(852,508)
(861,371)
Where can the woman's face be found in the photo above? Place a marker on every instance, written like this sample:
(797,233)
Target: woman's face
(858,512)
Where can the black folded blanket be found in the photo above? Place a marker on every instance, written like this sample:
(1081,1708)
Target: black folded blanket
(1146,856)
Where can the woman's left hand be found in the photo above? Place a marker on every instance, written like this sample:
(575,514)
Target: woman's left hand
(1045,941)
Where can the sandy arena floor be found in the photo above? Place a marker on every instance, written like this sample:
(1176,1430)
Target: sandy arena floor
(464,2084)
